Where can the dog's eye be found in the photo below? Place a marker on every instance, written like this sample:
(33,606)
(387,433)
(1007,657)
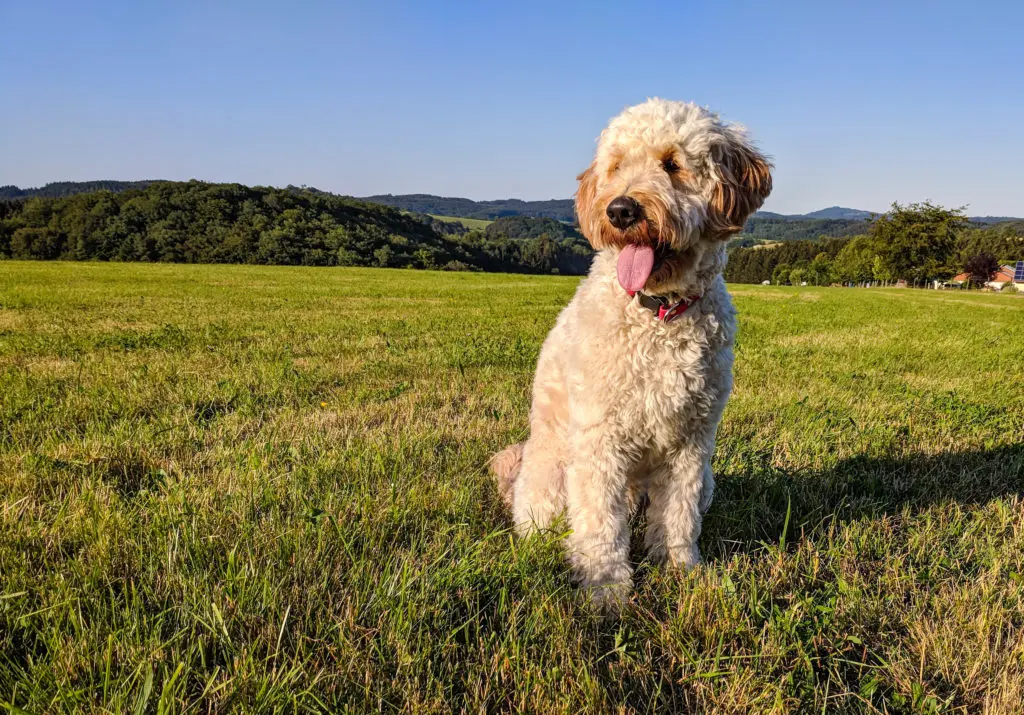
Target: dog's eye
(670,165)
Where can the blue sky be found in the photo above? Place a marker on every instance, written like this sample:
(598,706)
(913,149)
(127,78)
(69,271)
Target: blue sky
(860,104)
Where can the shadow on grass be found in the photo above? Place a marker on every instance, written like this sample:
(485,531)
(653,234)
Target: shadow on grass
(750,508)
(763,506)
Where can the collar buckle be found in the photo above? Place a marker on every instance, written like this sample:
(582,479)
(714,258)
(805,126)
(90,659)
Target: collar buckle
(664,309)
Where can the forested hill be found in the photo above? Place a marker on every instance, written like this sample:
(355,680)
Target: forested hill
(558,209)
(800,229)
(197,222)
(529,227)
(58,189)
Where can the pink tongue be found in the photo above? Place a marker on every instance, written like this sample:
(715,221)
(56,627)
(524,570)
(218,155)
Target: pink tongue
(635,264)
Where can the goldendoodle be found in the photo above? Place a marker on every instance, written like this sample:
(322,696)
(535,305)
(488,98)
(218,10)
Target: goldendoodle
(632,380)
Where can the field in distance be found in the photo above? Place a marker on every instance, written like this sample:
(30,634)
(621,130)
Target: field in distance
(470,223)
(236,488)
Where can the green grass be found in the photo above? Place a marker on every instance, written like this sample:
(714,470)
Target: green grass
(263,489)
(477,223)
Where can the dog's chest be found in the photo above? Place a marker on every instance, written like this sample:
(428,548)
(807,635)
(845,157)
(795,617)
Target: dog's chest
(653,381)
(670,376)
(673,375)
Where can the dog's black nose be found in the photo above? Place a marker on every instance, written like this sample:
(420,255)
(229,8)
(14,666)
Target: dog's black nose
(623,212)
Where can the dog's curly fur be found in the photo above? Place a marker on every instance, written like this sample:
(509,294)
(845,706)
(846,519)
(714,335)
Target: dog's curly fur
(624,404)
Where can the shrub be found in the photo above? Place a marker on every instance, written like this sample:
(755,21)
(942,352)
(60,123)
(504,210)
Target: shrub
(458,266)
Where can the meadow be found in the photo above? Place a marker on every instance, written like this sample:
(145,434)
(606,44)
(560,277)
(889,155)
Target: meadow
(263,489)
(470,223)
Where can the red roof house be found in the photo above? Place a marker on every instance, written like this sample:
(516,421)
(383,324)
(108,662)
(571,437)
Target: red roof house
(1001,276)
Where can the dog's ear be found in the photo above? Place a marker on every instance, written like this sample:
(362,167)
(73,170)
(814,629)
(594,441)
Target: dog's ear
(586,195)
(746,181)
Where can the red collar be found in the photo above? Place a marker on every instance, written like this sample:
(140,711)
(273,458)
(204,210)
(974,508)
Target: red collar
(664,309)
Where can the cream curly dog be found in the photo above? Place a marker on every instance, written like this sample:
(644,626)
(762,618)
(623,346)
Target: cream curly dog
(632,380)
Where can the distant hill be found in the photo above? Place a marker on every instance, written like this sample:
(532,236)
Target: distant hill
(847,214)
(59,189)
(788,228)
(832,212)
(558,209)
(838,212)
(994,219)
(530,227)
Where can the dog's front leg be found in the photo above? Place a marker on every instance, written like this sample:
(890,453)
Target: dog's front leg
(598,515)
(678,493)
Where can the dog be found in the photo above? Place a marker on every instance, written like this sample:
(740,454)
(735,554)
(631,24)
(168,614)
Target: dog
(632,380)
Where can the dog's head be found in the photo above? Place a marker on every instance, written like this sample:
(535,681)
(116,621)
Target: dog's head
(668,181)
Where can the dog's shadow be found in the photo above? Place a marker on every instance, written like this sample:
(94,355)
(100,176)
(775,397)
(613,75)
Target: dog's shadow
(770,506)
(762,507)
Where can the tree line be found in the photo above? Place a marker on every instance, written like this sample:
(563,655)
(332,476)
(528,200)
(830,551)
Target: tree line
(58,189)
(918,243)
(199,222)
(528,227)
(800,229)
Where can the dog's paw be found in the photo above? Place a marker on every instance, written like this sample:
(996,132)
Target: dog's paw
(608,598)
(687,559)
(681,558)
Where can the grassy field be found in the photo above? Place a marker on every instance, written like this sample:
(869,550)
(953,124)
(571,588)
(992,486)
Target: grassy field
(471,223)
(263,489)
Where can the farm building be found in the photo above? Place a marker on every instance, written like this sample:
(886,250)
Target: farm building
(998,280)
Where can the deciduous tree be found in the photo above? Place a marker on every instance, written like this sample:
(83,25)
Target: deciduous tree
(980,267)
(915,242)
